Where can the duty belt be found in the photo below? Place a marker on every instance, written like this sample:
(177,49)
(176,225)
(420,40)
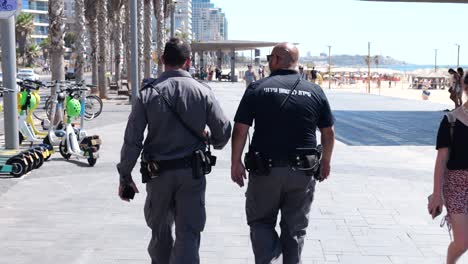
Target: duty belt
(293,161)
(175,164)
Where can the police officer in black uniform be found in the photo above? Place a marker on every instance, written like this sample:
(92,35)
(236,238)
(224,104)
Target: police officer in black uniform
(283,159)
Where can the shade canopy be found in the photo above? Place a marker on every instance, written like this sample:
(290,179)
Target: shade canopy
(228,45)
(422,1)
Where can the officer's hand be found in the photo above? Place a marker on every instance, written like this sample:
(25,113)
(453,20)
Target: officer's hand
(238,173)
(325,170)
(122,187)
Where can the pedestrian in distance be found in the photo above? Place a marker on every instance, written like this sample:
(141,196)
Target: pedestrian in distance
(283,159)
(302,73)
(249,76)
(456,87)
(175,109)
(461,73)
(451,179)
(313,75)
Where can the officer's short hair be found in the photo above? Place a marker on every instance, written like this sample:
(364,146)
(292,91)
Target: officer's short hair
(176,52)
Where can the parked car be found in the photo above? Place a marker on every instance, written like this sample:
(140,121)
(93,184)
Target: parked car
(27,74)
(1,82)
(70,74)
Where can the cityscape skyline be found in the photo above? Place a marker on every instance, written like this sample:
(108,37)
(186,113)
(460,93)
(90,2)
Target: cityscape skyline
(406,31)
(198,20)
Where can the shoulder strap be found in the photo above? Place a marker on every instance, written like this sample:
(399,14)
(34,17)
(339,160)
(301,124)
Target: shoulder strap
(290,92)
(176,114)
(452,121)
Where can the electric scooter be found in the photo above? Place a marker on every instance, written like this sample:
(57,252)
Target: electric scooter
(76,142)
(27,100)
(18,164)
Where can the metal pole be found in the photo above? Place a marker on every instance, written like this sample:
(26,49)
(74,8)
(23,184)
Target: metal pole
(435,63)
(134,49)
(458,57)
(329,67)
(7,31)
(173,7)
(368,68)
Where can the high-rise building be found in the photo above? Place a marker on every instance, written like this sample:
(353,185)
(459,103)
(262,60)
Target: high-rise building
(183,18)
(69,12)
(39,8)
(209,22)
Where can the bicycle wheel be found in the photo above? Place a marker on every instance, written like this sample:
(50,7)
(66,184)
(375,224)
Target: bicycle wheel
(42,112)
(93,107)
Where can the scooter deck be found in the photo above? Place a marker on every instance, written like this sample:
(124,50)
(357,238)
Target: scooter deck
(4,156)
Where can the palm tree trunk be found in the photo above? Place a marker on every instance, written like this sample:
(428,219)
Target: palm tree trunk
(148,38)
(80,39)
(102,59)
(93,35)
(141,13)
(118,43)
(56,16)
(127,33)
(161,32)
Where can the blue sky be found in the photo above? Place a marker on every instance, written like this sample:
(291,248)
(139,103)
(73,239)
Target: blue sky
(405,31)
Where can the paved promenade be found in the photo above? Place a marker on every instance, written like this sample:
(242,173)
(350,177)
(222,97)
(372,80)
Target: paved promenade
(372,210)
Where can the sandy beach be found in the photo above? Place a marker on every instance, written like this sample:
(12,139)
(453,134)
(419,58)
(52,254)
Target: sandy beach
(399,90)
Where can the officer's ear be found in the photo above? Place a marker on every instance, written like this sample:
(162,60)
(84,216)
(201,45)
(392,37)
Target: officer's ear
(188,63)
(163,61)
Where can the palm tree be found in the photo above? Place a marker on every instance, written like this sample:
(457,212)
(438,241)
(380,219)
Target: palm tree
(102,59)
(126,39)
(117,35)
(148,38)
(70,39)
(160,7)
(45,46)
(56,27)
(24,28)
(32,54)
(140,16)
(91,17)
(80,38)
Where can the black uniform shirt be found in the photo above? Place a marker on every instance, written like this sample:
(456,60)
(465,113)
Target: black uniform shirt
(279,132)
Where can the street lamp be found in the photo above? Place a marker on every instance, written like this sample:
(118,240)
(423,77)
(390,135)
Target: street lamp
(329,66)
(458,56)
(173,10)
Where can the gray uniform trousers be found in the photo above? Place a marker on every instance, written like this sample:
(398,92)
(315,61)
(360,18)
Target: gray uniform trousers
(291,192)
(175,197)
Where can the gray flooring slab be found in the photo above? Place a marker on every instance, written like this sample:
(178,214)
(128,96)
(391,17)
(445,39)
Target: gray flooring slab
(372,210)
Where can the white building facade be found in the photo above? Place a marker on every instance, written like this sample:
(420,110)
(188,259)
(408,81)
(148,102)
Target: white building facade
(39,8)
(209,22)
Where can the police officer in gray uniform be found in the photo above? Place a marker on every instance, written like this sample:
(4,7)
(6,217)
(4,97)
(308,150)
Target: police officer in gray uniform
(283,159)
(175,109)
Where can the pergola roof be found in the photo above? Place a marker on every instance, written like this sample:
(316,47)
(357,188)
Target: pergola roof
(422,1)
(227,45)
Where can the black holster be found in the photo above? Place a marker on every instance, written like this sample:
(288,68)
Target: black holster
(257,164)
(202,163)
(309,161)
(149,170)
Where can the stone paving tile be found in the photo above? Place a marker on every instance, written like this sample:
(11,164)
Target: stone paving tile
(348,259)
(372,210)
(413,260)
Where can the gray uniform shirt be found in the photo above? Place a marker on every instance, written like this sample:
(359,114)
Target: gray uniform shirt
(167,138)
